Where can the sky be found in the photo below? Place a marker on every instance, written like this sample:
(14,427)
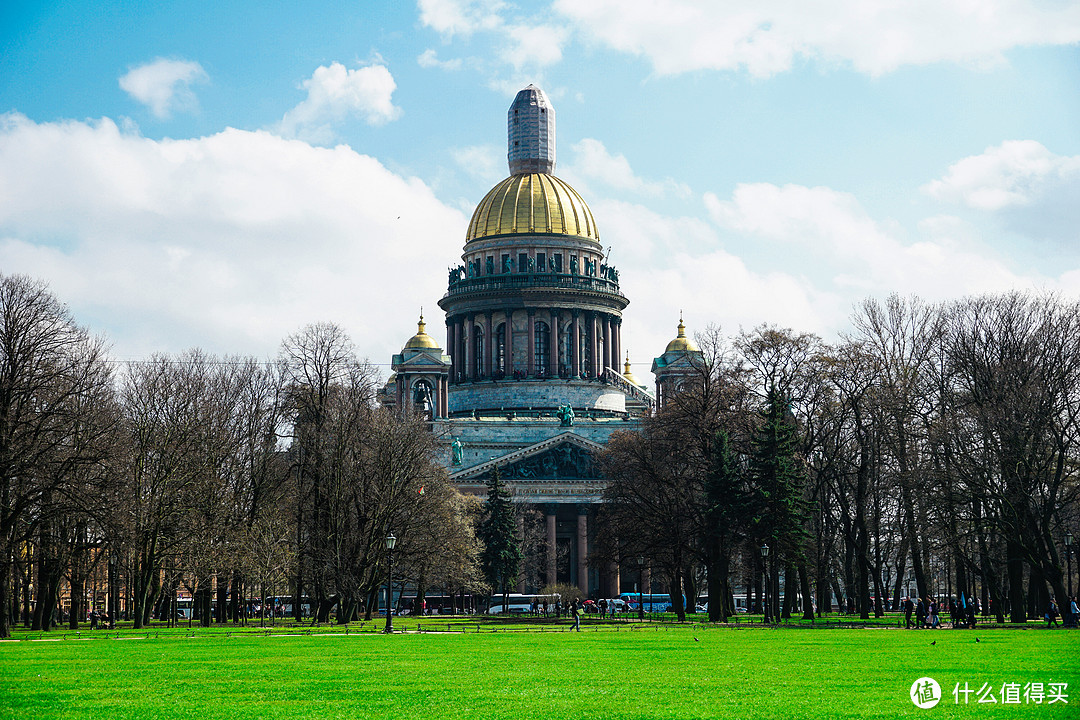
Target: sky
(220,174)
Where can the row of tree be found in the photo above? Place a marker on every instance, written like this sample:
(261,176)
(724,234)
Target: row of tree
(226,477)
(937,442)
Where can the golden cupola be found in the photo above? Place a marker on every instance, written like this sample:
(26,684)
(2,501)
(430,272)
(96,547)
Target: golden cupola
(681,343)
(628,374)
(421,340)
(532,204)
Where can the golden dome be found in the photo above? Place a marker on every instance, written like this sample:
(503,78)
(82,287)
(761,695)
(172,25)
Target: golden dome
(629,375)
(421,340)
(532,203)
(681,343)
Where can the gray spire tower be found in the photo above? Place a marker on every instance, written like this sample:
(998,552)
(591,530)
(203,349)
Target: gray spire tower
(531,133)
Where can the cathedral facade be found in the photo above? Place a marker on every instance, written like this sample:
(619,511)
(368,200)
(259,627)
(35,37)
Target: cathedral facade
(528,380)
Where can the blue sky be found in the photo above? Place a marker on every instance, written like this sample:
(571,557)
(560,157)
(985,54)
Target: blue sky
(220,174)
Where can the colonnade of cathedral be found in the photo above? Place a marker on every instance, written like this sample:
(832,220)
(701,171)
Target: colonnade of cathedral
(563,343)
(609,578)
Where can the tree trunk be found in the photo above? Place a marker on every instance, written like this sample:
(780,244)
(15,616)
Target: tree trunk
(5,588)
(804,583)
(789,592)
(677,602)
(1015,569)
(77,590)
(222,598)
(718,572)
(372,600)
(690,587)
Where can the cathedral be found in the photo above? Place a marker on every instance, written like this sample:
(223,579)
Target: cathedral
(527,379)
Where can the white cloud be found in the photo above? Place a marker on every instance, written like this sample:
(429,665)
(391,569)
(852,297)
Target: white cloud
(485,162)
(765,38)
(430,59)
(672,263)
(461,17)
(534,45)
(164,85)
(1017,172)
(828,235)
(592,160)
(229,242)
(335,93)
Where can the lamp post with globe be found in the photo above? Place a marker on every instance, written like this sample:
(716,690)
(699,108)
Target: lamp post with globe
(1068,561)
(1071,619)
(765,580)
(641,587)
(390,542)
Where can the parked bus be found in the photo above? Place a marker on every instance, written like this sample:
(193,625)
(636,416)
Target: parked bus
(654,603)
(436,604)
(520,604)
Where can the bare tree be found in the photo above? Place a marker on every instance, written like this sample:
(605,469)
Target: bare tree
(1015,362)
(49,370)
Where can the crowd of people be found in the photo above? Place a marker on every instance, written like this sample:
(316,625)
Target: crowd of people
(962,612)
(558,608)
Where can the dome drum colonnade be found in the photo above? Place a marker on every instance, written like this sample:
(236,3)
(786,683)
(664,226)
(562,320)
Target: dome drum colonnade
(534,299)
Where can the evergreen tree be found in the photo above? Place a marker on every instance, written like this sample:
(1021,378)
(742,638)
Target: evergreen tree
(727,504)
(501,558)
(780,511)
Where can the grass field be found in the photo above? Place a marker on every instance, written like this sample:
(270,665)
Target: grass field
(608,671)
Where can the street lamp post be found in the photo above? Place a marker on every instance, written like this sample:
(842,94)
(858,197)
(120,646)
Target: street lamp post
(765,581)
(1072,619)
(641,587)
(1068,562)
(390,542)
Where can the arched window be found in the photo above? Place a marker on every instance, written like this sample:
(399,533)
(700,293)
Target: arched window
(423,397)
(540,349)
(500,350)
(478,352)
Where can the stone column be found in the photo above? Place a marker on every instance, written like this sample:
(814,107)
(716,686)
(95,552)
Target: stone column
(553,367)
(490,349)
(520,539)
(575,341)
(549,519)
(607,344)
(646,580)
(532,342)
(470,347)
(594,345)
(462,343)
(450,349)
(508,348)
(613,579)
(617,342)
(583,549)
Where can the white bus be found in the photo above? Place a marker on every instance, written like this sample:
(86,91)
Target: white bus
(520,604)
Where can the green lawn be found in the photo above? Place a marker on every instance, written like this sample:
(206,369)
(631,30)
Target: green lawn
(653,671)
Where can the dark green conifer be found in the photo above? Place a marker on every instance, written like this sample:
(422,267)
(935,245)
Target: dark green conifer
(501,558)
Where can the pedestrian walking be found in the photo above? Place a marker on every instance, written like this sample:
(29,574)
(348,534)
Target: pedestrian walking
(1052,614)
